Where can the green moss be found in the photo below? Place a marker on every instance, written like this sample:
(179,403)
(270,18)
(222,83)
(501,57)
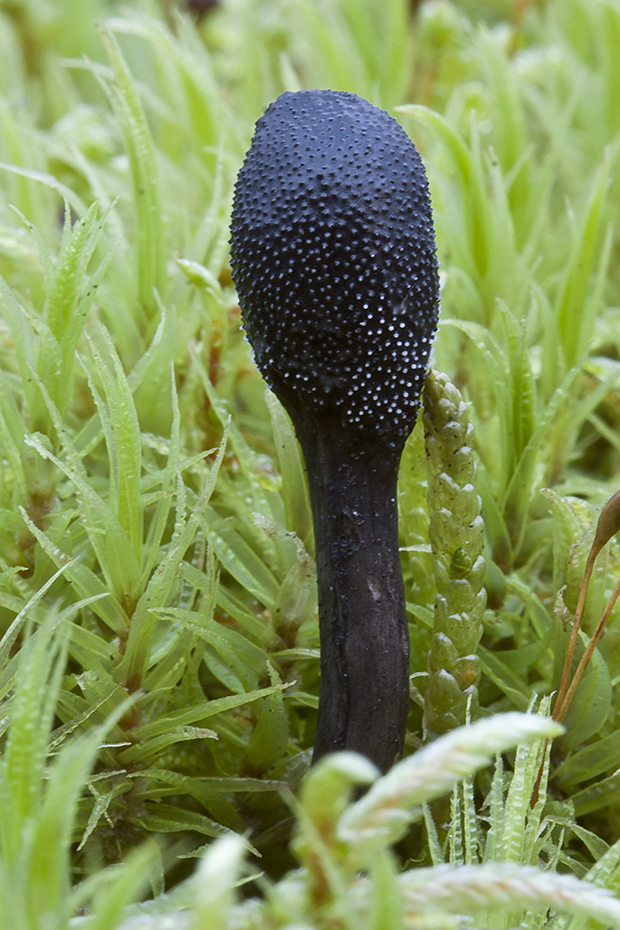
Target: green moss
(158,630)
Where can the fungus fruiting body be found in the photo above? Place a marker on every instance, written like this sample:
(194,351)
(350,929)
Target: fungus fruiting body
(333,257)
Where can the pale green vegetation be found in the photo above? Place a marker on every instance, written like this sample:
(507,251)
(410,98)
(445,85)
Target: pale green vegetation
(158,629)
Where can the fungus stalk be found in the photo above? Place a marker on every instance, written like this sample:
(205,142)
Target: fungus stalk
(364,693)
(333,257)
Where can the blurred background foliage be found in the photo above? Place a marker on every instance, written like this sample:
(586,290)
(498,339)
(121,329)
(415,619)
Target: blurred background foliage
(154,519)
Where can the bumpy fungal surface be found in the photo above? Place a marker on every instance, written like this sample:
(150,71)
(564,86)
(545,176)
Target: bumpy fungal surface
(333,257)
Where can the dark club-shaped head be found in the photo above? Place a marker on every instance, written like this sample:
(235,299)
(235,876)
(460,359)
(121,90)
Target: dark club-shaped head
(333,257)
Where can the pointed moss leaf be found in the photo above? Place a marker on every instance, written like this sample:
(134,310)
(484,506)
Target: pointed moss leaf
(39,678)
(21,327)
(15,629)
(122,431)
(245,660)
(113,547)
(297,598)
(189,716)
(592,704)
(271,733)
(385,905)
(472,833)
(175,735)
(569,527)
(510,887)
(263,502)
(168,818)
(151,380)
(49,873)
(12,436)
(70,294)
(240,559)
(456,844)
(521,486)
(589,762)
(169,480)
(502,675)
(256,627)
(606,866)
(150,256)
(521,390)
(325,794)
(385,811)
(453,141)
(574,306)
(164,580)
(45,796)
(87,582)
(518,804)
(294,484)
(188,72)
(595,845)
(474,223)
(199,275)
(114,892)
(216,795)
(48,180)
(215,882)
(600,796)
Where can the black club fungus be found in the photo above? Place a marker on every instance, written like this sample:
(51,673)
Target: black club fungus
(333,257)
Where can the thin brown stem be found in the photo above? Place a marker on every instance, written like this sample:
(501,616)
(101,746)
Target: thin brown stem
(559,712)
(608,525)
(572,643)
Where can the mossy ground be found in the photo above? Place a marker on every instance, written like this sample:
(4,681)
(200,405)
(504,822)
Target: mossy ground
(159,643)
